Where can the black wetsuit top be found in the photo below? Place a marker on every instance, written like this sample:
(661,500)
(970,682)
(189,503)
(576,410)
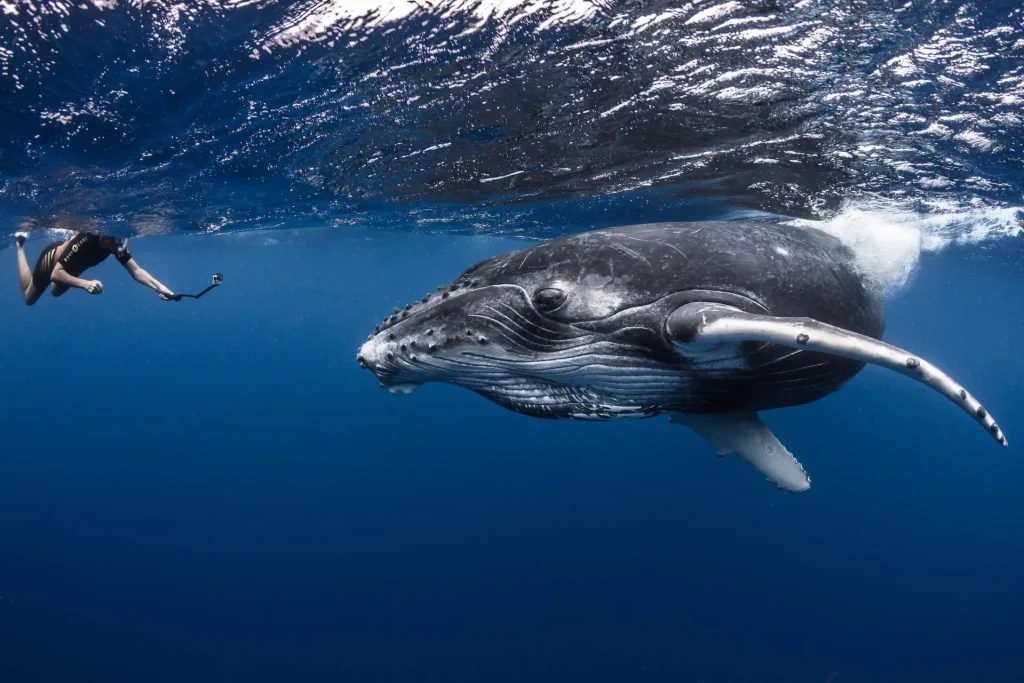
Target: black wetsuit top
(87,250)
(84,251)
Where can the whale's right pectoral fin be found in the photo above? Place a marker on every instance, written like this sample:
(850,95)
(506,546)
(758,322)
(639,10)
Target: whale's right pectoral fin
(710,323)
(748,437)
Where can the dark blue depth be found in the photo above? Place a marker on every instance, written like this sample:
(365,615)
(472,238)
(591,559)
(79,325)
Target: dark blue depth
(214,491)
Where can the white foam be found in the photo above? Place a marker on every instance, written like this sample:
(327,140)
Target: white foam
(888,239)
(501,177)
(318,19)
(714,13)
(976,140)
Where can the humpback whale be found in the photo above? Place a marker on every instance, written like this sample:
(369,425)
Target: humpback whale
(708,322)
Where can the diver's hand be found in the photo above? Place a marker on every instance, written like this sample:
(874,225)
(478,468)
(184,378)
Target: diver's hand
(165,294)
(93,286)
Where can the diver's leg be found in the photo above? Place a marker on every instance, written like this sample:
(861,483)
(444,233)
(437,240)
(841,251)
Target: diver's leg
(28,290)
(24,272)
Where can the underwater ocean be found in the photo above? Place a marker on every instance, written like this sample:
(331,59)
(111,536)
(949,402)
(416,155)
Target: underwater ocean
(214,490)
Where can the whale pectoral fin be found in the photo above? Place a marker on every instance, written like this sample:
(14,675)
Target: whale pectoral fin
(704,323)
(745,435)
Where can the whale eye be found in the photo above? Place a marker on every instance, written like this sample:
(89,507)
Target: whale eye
(548,299)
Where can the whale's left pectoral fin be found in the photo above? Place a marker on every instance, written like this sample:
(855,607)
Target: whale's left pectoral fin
(710,323)
(748,437)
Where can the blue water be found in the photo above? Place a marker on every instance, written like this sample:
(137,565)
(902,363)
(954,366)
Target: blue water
(215,491)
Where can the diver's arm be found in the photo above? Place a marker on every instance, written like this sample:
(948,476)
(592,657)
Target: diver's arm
(142,276)
(61,276)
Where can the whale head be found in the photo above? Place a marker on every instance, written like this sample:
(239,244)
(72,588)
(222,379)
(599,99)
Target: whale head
(538,331)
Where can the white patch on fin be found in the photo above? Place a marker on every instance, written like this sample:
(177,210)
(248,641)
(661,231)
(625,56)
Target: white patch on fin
(748,437)
(708,323)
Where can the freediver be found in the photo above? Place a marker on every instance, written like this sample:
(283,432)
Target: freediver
(61,264)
